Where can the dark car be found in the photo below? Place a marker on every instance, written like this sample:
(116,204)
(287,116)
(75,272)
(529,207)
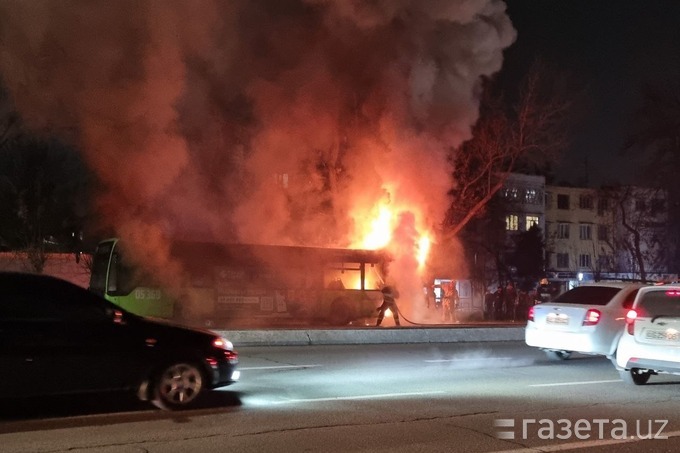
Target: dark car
(59,338)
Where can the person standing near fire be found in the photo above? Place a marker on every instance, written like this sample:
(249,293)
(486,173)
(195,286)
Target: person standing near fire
(450,302)
(390,294)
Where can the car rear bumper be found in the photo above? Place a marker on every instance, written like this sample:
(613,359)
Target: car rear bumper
(651,364)
(583,342)
(225,375)
(631,354)
(223,369)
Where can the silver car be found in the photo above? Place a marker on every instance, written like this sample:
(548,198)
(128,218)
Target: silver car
(588,319)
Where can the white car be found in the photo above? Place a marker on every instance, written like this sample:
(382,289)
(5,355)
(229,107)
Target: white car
(651,342)
(588,319)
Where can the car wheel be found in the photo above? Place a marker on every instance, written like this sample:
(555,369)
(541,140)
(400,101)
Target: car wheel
(178,385)
(558,355)
(635,376)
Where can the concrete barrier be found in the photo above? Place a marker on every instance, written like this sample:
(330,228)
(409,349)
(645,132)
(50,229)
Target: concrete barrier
(385,335)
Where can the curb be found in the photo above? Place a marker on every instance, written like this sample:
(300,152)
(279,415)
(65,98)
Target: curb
(385,335)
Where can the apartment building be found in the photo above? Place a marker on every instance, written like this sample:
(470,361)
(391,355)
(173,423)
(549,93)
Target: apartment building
(590,234)
(608,233)
(578,235)
(524,200)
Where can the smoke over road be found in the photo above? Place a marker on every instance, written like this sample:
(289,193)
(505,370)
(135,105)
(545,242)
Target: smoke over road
(281,122)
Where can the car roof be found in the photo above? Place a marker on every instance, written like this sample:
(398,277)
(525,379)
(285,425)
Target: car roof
(614,284)
(17,275)
(675,287)
(27,276)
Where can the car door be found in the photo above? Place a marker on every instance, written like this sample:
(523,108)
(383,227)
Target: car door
(18,342)
(56,337)
(26,325)
(94,347)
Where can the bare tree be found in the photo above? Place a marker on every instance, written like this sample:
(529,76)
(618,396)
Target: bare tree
(43,197)
(485,245)
(638,224)
(644,216)
(528,134)
(655,132)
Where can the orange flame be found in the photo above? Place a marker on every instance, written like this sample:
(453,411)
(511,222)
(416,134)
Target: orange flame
(424,244)
(377,231)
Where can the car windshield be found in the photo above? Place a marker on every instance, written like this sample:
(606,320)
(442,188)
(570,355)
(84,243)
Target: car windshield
(659,303)
(588,295)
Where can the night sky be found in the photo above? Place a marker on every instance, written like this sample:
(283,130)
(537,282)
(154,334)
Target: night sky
(611,48)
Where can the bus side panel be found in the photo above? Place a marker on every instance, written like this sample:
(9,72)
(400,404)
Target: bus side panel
(144,301)
(340,307)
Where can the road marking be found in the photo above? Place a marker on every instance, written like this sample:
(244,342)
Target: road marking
(359,397)
(466,359)
(580,445)
(277,367)
(557,384)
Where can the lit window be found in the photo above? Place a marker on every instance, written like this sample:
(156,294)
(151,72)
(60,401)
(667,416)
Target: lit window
(532,220)
(512,222)
(531,196)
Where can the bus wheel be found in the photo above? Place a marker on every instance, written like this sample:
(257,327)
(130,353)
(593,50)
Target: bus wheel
(340,313)
(179,385)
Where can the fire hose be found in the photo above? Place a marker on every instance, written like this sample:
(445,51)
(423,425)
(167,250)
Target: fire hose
(401,316)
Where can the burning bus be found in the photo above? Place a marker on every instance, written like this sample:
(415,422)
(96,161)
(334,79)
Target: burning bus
(245,285)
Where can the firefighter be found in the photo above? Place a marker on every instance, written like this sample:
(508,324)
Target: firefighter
(450,302)
(389,302)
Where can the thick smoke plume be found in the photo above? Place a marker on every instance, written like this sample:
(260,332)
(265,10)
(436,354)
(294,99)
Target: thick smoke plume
(279,121)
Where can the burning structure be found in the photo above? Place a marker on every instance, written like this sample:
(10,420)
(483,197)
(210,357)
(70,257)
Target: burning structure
(298,122)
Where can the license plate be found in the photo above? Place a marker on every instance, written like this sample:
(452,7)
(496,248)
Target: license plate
(662,335)
(557,318)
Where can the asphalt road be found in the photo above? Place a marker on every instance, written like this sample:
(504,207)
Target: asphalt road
(473,397)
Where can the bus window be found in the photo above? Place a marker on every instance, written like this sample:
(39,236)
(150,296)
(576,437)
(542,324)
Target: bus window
(123,279)
(100,267)
(373,277)
(343,276)
(112,287)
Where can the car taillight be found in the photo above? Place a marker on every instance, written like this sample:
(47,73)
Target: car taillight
(673,293)
(221,343)
(592,317)
(630,321)
(530,315)
(231,356)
